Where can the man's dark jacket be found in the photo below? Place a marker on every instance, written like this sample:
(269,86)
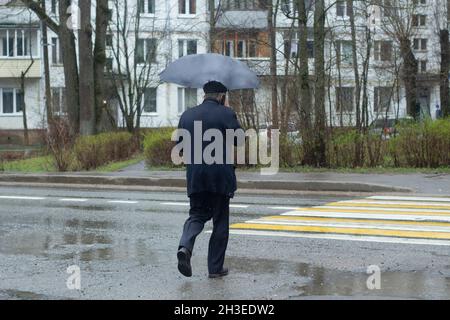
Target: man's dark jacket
(216,178)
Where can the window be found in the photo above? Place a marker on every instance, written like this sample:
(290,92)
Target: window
(53,6)
(240,50)
(187,6)
(344,52)
(422,66)
(146,50)
(20,101)
(385,7)
(420,44)
(59,101)
(382,99)
(246,4)
(23,44)
(187,98)
(18,43)
(291,49)
(8,101)
(344,99)
(240,46)
(150,100)
(56,52)
(383,50)
(109,64)
(109,40)
(419,20)
(11,101)
(146,6)
(252,52)
(229,46)
(186,47)
(7,43)
(110,14)
(343,8)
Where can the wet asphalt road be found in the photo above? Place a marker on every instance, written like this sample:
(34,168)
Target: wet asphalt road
(125,245)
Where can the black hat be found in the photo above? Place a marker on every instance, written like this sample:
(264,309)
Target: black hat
(214,87)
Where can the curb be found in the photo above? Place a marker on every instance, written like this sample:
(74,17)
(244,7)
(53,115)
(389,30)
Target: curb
(331,186)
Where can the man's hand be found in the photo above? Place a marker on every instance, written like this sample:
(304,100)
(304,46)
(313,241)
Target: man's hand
(227,101)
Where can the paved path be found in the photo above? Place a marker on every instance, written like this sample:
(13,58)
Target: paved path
(420,183)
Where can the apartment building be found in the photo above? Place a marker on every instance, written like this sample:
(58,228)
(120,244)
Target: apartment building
(20,66)
(169,29)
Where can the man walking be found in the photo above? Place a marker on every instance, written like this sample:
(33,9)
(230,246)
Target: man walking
(210,186)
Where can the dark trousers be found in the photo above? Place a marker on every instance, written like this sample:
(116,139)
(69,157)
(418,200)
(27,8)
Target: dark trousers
(204,207)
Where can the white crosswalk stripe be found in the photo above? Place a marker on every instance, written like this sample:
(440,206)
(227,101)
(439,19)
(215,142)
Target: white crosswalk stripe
(424,220)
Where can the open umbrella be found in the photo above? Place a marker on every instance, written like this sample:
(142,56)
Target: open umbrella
(194,71)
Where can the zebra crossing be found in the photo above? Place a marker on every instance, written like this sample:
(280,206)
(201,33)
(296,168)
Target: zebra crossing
(393,219)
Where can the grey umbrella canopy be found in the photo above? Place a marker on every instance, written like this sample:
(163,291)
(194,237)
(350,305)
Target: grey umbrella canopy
(194,71)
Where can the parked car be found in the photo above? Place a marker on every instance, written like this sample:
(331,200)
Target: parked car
(383,127)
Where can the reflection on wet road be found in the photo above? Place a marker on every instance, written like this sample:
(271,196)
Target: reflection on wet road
(124,244)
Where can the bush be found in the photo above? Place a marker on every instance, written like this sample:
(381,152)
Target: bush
(92,152)
(59,144)
(342,148)
(291,151)
(158,147)
(424,144)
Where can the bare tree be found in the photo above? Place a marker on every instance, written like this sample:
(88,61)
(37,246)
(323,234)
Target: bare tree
(319,84)
(101,27)
(87,89)
(442,19)
(400,22)
(272,22)
(135,62)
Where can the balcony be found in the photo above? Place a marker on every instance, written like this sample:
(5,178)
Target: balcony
(13,67)
(242,20)
(17,47)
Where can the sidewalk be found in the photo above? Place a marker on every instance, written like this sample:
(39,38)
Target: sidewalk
(138,175)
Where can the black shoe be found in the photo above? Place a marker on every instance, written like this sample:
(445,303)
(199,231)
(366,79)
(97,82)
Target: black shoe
(221,274)
(184,262)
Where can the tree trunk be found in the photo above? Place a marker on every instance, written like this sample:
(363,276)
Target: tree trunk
(358,147)
(409,75)
(445,65)
(101,23)
(86,78)
(69,56)
(26,139)
(319,86)
(48,92)
(305,89)
(273,65)
(212,24)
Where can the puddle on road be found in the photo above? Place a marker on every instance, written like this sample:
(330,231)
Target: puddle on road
(80,207)
(75,239)
(22,295)
(312,281)
(328,282)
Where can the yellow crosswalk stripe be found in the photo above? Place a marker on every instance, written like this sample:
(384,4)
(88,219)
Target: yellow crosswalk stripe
(375,211)
(362,221)
(376,205)
(373,218)
(343,230)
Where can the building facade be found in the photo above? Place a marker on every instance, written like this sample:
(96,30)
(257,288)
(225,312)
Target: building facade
(161,31)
